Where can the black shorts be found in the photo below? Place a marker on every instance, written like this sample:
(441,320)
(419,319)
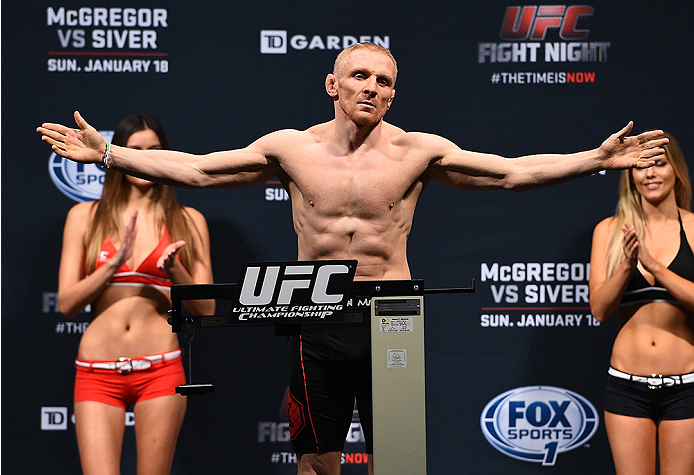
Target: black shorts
(635,399)
(330,368)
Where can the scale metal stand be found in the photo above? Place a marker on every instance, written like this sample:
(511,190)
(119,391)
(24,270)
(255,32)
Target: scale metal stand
(396,310)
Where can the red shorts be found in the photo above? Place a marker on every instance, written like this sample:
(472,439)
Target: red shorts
(110,387)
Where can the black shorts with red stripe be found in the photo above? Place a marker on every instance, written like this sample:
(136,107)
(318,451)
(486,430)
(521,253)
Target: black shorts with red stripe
(330,368)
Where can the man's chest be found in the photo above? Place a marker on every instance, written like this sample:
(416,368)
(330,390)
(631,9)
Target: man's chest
(355,178)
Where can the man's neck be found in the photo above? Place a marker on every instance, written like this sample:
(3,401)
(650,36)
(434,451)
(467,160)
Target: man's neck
(351,136)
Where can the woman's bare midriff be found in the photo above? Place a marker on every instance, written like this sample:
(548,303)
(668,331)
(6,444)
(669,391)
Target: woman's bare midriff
(656,338)
(128,321)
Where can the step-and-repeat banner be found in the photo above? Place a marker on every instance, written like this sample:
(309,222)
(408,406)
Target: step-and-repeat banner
(515,371)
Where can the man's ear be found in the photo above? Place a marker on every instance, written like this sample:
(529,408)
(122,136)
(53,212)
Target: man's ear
(392,96)
(330,85)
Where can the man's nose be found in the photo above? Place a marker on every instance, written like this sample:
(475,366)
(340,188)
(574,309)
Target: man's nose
(370,86)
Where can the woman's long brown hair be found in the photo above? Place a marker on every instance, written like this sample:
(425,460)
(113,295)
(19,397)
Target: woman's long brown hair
(107,217)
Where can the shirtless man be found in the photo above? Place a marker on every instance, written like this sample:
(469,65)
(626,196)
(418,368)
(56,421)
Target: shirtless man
(354,182)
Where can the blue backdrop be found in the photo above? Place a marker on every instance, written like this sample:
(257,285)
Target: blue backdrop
(220,74)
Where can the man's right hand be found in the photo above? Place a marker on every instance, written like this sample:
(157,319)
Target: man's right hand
(84,145)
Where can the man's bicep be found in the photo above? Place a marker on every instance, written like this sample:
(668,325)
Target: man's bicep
(235,161)
(470,170)
(238,167)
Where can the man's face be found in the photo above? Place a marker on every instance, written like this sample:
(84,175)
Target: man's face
(364,89)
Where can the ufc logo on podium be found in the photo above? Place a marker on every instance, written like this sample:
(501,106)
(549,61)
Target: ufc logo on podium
(54,418)
(532,22)
(295,283)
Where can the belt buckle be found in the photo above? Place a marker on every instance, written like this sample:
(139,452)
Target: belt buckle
(655,381)
(124,365)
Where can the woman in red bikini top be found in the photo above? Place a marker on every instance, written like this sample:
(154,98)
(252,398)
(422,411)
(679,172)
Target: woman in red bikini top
(121,254)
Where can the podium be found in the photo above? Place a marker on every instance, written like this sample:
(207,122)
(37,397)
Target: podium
(398,381)
(396,311)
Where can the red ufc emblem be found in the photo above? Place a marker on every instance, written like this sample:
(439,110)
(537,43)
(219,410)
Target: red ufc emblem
(532,22)
(295,411)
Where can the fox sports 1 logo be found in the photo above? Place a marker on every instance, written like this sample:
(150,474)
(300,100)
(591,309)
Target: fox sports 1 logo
(79,181)
(535,423)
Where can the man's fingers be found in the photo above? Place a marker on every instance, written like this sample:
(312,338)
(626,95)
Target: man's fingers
(55,144)
(645,163)
(655,143)
(59,151)
(625,131)
(650,135)
(55,136)
(79,120)
(49,128)
(56,140)
(652,152)
(49,140)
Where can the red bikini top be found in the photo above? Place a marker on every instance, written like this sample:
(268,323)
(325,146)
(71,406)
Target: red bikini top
(146,275)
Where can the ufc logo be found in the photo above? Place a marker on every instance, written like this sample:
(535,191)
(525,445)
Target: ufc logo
(280,282)
(532,22)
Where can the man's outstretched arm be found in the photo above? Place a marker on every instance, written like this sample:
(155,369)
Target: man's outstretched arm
(235,168)
(470,170)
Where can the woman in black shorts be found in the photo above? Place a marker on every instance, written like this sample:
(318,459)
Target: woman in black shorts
(642,267)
